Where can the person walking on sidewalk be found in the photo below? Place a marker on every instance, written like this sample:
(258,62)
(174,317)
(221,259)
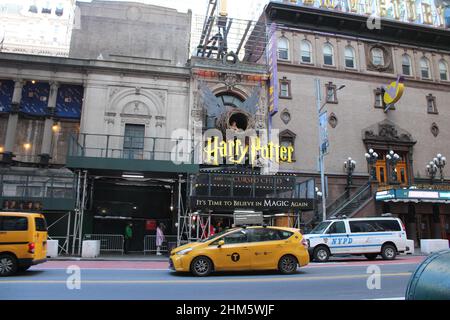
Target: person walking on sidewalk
(159,238)
(128,237)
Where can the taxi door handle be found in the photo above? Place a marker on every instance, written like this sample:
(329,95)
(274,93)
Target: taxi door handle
(245,248)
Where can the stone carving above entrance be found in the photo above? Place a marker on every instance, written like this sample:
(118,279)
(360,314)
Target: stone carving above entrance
(387,131)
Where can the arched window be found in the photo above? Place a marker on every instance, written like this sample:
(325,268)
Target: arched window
(377,57)
(425,68)
(283,48)
(306,51)
(406,65)
(350,57)
(328,58)
(443,70)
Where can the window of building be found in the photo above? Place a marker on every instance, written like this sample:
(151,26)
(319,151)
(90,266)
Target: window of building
(431,104)
(306,52)
(331,93)
(59,11)
(283,48)
(328,58)
(350,57)
(377,57)
(285,88)
(425,68)
(406,65)
(443,70)
(133,144)
(287,139)
(379,103)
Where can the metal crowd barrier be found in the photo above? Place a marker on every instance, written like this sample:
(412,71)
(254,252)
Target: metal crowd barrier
(150,244)
(108,242)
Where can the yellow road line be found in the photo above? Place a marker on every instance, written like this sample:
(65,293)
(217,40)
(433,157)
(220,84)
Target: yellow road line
(198,281)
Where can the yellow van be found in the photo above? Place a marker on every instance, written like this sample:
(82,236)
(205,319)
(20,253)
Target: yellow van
(23,241)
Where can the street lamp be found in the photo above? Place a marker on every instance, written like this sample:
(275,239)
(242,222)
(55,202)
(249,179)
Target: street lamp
(440,162)
(349,167)
(393,159)
(322,144)
(432,170)
(372,158)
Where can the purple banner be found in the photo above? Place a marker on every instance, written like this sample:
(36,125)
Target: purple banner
(272,58)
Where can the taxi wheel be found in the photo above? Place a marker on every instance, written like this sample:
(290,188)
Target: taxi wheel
(321,254)
(287,264)
(8,265)
(201,266)
(388,252)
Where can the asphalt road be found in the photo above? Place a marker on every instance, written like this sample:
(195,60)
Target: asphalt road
(346,279)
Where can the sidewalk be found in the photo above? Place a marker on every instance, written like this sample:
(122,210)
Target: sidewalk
(115,257)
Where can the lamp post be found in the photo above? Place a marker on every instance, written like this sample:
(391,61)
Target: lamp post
(349,167)
(432,171)
(372,158)
(393,159)
(440,162)
(322,145)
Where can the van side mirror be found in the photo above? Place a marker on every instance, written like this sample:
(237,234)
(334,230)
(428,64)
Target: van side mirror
(221,243)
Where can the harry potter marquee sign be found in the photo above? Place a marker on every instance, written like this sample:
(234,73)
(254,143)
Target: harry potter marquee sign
(429,12)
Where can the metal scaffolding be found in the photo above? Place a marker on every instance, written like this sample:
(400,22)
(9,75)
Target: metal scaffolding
(80,207)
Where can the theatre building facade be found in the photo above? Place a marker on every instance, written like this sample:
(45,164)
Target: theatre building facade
(87,139)
(390,142)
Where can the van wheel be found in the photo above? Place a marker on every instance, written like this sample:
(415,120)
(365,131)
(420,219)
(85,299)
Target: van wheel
(388,252)
(321,254)
(201,266)
(8,265)
(371,256)
(287,264)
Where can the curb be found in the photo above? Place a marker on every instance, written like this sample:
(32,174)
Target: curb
(107,259)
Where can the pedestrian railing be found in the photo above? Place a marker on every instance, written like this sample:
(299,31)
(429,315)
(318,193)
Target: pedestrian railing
(169,243)
(108,242)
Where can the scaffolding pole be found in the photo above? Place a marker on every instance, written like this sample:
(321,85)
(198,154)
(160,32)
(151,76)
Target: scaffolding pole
(80,205)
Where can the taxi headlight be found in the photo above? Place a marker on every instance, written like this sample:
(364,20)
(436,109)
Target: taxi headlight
(185,251)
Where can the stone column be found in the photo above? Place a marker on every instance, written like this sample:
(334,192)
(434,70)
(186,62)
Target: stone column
(45,155)
(13,119)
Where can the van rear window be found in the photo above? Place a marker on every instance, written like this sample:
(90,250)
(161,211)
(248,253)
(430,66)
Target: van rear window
(13,223)
(374,226)
(40,224)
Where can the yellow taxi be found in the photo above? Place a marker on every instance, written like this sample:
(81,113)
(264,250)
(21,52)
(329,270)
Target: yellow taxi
(245,248)
(23,241)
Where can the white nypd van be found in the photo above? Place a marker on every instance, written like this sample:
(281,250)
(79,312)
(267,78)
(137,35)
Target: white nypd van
(361,236)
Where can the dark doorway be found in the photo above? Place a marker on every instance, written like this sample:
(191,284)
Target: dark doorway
(117,203)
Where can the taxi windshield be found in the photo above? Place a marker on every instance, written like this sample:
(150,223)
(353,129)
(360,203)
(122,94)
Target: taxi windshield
(320,228)
(217,235)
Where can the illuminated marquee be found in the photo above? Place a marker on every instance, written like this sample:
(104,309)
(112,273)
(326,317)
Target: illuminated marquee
(236,152)
(429,12)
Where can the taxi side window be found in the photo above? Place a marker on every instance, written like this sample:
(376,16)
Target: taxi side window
(266,234)
(337,227)
(235,237)
(13,223)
